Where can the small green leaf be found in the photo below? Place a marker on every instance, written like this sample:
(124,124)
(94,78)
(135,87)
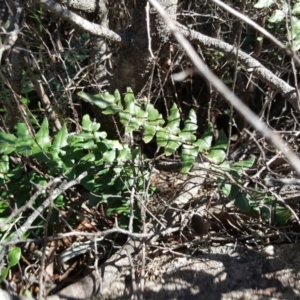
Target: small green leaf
(280,215)
(95,127)
(109,156)
(88,157)
(54,157)
(89,145)
(295,22)
(235,190)
(108,97)
(103,101)
(162,137)
(7,143)
(242,202)
(296,43)
(80,137)
(204,143)
(277,16)
(154,117)
(264,212)
(187,137)
(130,103)
(27,293)
(13,256)
(60,202)
(22,131)
(244,165)
(191,123)
(149,132)
(86,123)
(117,96)
(42,138)
(24,145)
(141,114)
(60,140)
(296,8)
(113,109)
(172,145)
(117,205)
(217,153)
(174,120)
(190,127)
(261,197)
(134,124)
(4,273)
(124,155)
(113,144)
(4,166)
(188,157)
(4,228)
(264,3)
(216,156)
(100,135)
(224,186)
(125,118)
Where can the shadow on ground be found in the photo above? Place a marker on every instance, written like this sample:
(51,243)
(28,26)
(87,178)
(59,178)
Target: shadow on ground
(223,273)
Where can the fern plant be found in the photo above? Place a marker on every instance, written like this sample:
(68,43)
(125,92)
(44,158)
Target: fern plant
(66,156)
(140,115)
(28,162)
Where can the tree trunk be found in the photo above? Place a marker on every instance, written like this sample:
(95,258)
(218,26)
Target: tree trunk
(135,62)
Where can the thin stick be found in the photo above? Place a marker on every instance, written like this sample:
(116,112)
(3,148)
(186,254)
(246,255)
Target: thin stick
(245,111)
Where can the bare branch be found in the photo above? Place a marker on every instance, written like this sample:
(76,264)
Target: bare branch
(46,101)
(244,110)
(90,6)
(253,65)
(267,34)
(78,21)
(24,227)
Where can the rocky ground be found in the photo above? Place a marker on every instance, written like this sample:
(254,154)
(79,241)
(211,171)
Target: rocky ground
(224,272)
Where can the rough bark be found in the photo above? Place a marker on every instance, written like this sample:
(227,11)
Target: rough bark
(135,62)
